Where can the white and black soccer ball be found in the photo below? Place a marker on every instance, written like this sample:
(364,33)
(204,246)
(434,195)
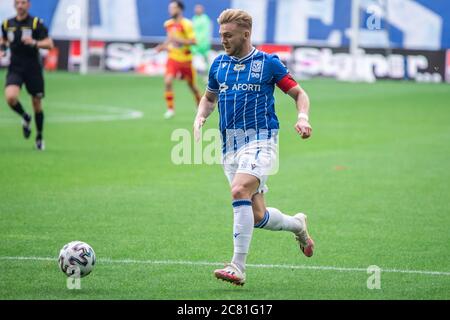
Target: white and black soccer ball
(76,259)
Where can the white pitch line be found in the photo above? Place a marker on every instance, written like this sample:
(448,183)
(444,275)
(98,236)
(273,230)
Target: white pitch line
(104,113)
(268,266)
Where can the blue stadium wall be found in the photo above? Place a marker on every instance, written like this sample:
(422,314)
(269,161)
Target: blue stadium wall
(407,24)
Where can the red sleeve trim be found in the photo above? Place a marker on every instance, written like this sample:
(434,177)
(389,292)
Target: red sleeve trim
(287,83)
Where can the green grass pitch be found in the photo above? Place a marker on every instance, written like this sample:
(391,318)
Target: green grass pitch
(373,179)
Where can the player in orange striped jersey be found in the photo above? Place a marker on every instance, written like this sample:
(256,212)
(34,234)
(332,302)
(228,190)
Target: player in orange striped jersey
(180,38)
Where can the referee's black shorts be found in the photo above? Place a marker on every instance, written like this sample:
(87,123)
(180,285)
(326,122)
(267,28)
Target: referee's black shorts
(32,77)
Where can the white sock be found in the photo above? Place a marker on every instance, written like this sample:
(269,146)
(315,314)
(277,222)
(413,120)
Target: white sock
(242,231)
(275,220)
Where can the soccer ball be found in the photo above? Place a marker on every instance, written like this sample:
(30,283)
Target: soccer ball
(76,259)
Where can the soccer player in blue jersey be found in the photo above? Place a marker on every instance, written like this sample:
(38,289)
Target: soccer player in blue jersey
(242,81)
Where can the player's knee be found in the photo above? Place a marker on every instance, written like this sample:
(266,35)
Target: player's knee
(240,191)
(168,83)
(11,99)
(37,108)
(37,105)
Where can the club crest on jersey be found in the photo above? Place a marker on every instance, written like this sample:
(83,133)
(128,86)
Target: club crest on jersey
(256,66)
(239,67)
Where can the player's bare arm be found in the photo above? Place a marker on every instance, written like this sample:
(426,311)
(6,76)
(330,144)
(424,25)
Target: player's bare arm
(171,38)
(180,41)
(205,108)
(302,101)
(3,46)
(163,46)
(46,43)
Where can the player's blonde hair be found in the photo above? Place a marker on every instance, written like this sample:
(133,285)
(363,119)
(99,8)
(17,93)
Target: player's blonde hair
(238,16)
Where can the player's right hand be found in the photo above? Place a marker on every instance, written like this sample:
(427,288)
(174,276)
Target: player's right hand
(198,124)
(29,41)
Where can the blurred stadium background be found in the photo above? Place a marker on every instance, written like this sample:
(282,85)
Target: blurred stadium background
(396,39)
(374,177)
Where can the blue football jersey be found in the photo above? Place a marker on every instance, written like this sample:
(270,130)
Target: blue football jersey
(245,89)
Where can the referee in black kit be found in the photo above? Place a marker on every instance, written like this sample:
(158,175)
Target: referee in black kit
(25,35)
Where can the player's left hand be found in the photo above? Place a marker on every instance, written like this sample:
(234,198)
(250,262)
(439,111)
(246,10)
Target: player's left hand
(303,128)
(28,41)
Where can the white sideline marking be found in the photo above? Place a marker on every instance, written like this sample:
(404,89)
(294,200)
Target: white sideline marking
(206,263)
(107,113)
